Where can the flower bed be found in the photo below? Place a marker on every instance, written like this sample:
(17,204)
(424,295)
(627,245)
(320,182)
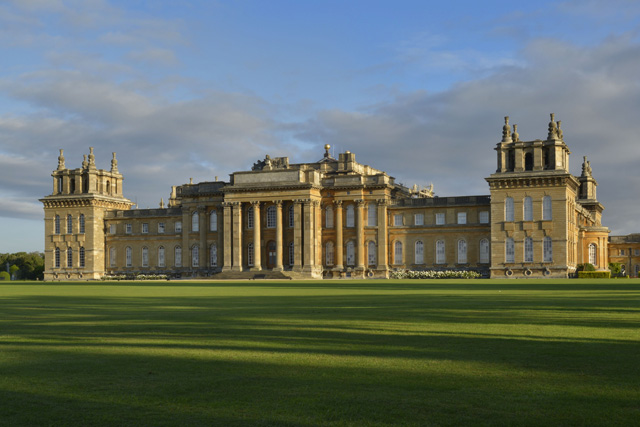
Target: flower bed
(434,274)
(135,277)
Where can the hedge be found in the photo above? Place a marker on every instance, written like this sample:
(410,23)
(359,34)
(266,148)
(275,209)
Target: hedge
(594,275)
(434,274)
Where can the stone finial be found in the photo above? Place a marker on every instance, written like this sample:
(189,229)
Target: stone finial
(92,158)
(190,181)
(553,128)
(506,130)
(586,167)
(560,134)
(327,147)
(85,163)
(114,163)
(516,136)
(61,165)
(162,203)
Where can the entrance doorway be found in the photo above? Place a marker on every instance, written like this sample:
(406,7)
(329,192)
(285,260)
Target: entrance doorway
(271,254)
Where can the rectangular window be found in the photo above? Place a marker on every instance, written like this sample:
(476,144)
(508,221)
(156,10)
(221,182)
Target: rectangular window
(439,219)
(462,217)
(397,220)
(418,219)
(636,252)
(161,228)
(112,229)
(483,217)
(127,228)
(178,227)
(145,227)
(250,218)
(621,251)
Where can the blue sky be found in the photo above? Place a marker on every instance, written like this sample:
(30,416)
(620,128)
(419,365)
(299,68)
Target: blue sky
(183,89)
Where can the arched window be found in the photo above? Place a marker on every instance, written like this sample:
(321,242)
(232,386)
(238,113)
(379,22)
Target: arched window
(508,209)
(292,217)
(145,256)
(112,257)
(57,258)
(329,254)
(397,252)
(73,185)
(213,220)
(81,256)
(351,253)
(528,249)
(528,209)
(250,255)
(250,217)
(462,251)
(127,254)
(350,216)
(56,224)
(440,253)
(195,222)
(161,262)
(69,224)
(292,254)
(372,215)
(177,256)
(371,250)
(108,187)
(271,217)
(528,161)
(195,256)
(593,254)
(509,250)
(81,224)
(213,255)
(419,251)
(484,252)
(69,257)
(59,181)
(328,217)
(547,249)
(546,208)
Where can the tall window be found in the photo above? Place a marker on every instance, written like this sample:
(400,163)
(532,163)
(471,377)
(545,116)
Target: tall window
(161,228)
(127,254)
(292,254)
(483,217)
(397,252)
(56,225)
(69,224)
(440,219)
(419,251)
(145,227)
(250,254)
(292,216)
(528,209)
(145,256)
(195,222)
(546,208)
(350,216)
(213,220)
(484,251)
(440,253)
(127,228)
(112,257)
(271,217)
(593,254)
(371,253)
(397,220)
(462,252)
(57,257)
(213,255)
(372,215)
(418,219)
(69,257)
(81,223)
(509,250)
(195,256)
(462,217)
(508,209)
(250,217)
(329,254)
(528,249)
(81,256)
(547,249)
(177,227)
(351,253)
(177,256)
(161,262)
(328,217)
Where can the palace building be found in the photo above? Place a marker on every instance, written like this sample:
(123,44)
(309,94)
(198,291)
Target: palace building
(332,218)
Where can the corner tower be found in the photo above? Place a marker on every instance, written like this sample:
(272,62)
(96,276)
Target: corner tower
(74,218)
(534,230)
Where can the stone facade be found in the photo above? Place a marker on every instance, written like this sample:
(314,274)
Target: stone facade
(626,251)
(332,218)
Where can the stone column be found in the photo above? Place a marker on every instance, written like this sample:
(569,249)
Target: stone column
(309,241)
(203,251)
(278,266)
(226,241)
(257,264)
(186,228)
(339,243)
(318,232)
(360,234)
(236,263)
(382,235)
(297,235)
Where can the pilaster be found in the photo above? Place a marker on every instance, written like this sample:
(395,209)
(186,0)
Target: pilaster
(236,263)
(308,243)
(279,266)
(360,234)
(297,235)
(382,235)
(257,257)
(339,242)
(226,231)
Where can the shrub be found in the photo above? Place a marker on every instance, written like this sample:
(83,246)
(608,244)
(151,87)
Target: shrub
(135,277)
(594,274)
(616,269)
(434,274)
(4,275)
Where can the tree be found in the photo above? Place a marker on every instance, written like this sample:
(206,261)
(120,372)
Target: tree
(30,265)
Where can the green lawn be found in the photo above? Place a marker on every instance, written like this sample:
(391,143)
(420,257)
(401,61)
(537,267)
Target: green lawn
(311,353)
